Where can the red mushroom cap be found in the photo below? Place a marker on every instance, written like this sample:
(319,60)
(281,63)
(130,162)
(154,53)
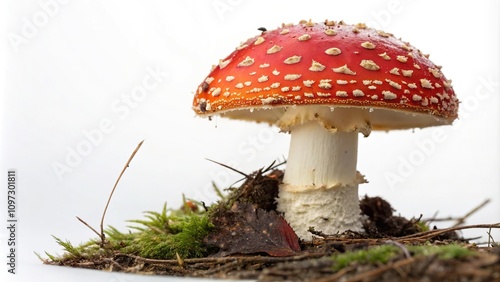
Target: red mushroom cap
(331,64)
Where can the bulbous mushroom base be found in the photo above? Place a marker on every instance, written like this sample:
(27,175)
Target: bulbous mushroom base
(329,210)
(320,187)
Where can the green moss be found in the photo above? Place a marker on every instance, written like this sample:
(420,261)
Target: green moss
(161,235)
(183,236)
(384,253)
(452,251)
(379,254)
(422,226)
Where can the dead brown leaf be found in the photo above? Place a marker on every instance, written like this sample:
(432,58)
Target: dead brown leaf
(246,229)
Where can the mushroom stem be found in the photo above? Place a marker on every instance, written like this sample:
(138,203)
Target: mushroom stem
(320,186)
(320,158)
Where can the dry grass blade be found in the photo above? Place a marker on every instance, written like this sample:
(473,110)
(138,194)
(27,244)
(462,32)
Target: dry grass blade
(421,236)
(114,187)
(373,274)
(458,220)
(101,234)
(491,242)
(253,259)
(273,165)
(91,228)
(461,220)
(228,167)
(433,233)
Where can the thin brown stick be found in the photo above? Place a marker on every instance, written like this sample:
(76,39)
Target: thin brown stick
(403,248)
(434,233)
(421,236)
(228,167)
(432,218)
(91,228)
(462,219)
(380,270)
(459,220)
(220,268)
(335,277)
(439,219)
(273,165)
(491,242)
(254,259)
(103,236)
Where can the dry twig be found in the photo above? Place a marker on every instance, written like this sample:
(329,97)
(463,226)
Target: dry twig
(458,220)
(462,219)
(114,187)
(417,237)
(101,235)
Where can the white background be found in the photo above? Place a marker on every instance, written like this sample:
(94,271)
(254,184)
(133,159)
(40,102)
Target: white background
(67,128)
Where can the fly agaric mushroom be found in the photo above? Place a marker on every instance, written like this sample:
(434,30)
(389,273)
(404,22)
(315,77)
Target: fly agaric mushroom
(325,83)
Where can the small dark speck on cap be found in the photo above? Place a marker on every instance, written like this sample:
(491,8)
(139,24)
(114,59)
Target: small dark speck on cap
(204,86)
(203,106)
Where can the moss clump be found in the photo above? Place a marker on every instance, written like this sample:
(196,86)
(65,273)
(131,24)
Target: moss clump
(88,249)
(379,254)
(422,226)
(161,235)
(385,253)
(445,252)
(183,236)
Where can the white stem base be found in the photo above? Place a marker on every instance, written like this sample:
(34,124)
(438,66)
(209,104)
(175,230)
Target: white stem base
(329,210)
(320,186)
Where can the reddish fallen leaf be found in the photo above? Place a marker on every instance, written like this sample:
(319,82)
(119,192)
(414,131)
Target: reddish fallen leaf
(246,229)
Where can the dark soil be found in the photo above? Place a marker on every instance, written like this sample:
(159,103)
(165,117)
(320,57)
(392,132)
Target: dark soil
(314,260)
